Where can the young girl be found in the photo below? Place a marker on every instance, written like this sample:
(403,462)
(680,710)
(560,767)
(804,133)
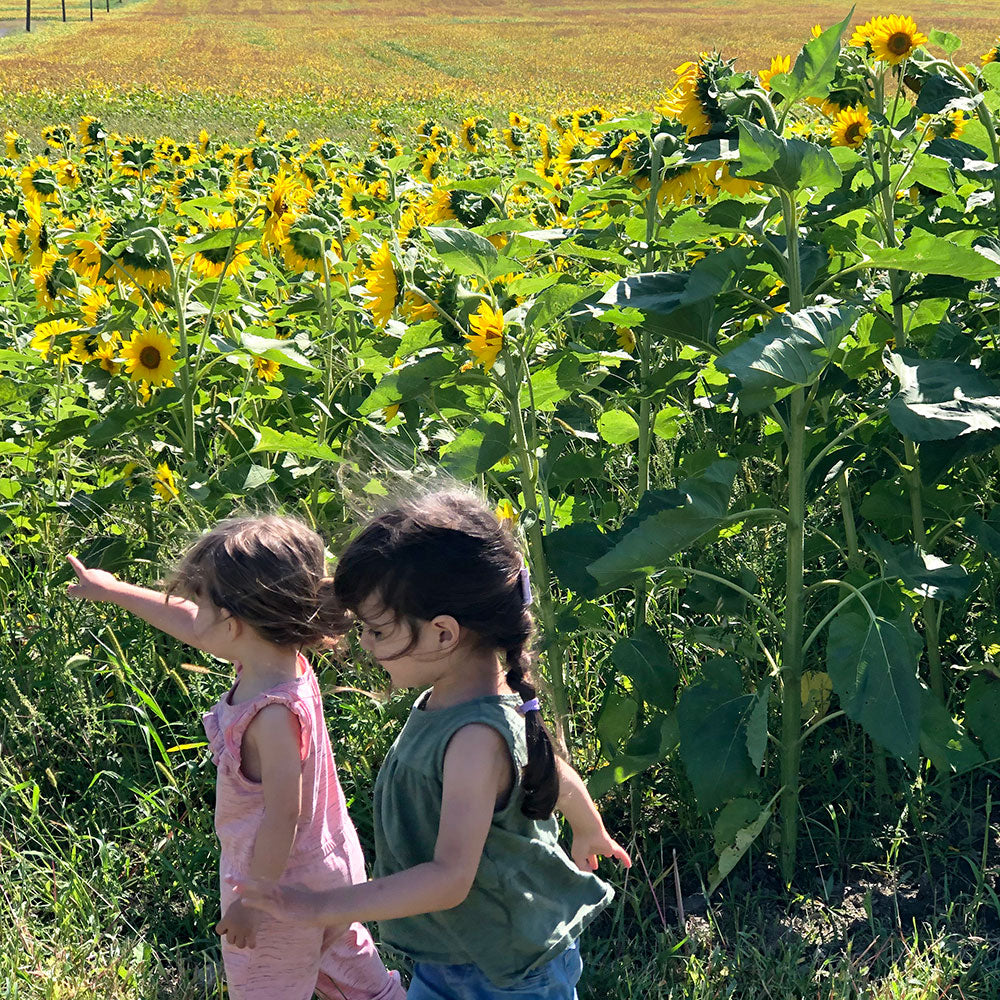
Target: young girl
(254,592)
(470,880)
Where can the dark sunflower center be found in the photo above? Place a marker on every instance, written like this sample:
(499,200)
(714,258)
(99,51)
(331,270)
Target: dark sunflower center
(899,43)
(853,133)
(149,357)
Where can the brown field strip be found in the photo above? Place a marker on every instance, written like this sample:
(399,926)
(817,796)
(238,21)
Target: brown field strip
(500,53)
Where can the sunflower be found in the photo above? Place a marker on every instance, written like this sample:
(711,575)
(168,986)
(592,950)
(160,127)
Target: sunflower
(46,279)
(57,135)
(163,483)
(45,334)
(851,127)
(415,309)
(135,158)
(946,126)
(439,207)
(85,346)
(779,64)
(106,353)
(894,38)
(267,370)
(352,188)
(91,131)
(305,243)
(184,155)
(17,243)
(68,173)
(85,255)
(381,284)
(37,237)
(430,162)
(987,57)
(261,130)
(625,338)
(408,221)
(684,103)
(486,338)
(15,144)
(211,262)
(284,200)
(38,180)
(203,140)
(149,357)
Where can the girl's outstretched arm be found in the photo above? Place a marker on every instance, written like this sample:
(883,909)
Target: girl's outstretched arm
(175,615)
(590,839)
(476,771)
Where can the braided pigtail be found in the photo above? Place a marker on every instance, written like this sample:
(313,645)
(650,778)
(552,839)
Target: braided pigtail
(540,779)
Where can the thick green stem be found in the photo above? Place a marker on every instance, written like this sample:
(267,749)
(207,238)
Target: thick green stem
(854,560)
(791,652)
(539,564)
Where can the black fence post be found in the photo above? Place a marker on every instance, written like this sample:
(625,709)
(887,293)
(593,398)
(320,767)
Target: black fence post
(27,15)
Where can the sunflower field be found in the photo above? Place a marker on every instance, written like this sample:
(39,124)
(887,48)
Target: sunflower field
(727,364)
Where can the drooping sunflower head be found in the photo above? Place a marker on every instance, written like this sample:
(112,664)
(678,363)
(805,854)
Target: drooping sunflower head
(135,157)
(149,357)
(39,181)
(587,118)
(90,131)
(946,126)
(472,131)
(261,130)
(53,336)
(308,239)
(382,285)
(486,339)
(284,200)
(51,279)
(694,99)
(850,128)
(68,173)
(141,256)
(16,145)
(211,262)
(57,136)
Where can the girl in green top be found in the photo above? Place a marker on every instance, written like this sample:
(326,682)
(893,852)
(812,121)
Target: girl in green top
(470,881)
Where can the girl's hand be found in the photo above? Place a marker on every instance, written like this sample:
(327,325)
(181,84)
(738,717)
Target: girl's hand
(239,925)
(91,584)
(284,902)
(587,849)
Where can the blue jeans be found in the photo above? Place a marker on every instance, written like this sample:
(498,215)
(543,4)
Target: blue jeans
(556,980)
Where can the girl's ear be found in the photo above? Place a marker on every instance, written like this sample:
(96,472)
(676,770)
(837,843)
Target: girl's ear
(446,633)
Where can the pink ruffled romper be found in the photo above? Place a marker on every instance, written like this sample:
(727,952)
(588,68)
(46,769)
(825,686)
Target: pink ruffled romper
(292,960)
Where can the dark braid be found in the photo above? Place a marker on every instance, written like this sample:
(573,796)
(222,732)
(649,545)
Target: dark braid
(539,779)
(447,554)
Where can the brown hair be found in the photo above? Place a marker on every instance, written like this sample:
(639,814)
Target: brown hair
(446,554)
(269,572)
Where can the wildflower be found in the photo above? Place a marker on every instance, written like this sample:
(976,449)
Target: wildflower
(149,357)
(486,338)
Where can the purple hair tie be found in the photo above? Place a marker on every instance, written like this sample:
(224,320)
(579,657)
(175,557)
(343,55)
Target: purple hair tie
(526,599)
(529,706)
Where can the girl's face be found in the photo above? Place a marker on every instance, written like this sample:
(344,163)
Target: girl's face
(385,638)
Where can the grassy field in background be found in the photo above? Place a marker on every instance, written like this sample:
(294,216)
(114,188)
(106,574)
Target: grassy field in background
(332,64)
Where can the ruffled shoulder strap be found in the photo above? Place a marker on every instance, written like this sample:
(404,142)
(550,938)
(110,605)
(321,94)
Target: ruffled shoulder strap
(234,732)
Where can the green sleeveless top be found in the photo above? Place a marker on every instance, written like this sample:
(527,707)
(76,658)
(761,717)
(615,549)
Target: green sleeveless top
(528,902)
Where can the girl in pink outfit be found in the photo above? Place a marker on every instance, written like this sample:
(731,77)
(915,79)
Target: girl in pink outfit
(254,591)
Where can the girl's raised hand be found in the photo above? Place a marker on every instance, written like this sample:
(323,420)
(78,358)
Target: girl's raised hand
(91,584)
